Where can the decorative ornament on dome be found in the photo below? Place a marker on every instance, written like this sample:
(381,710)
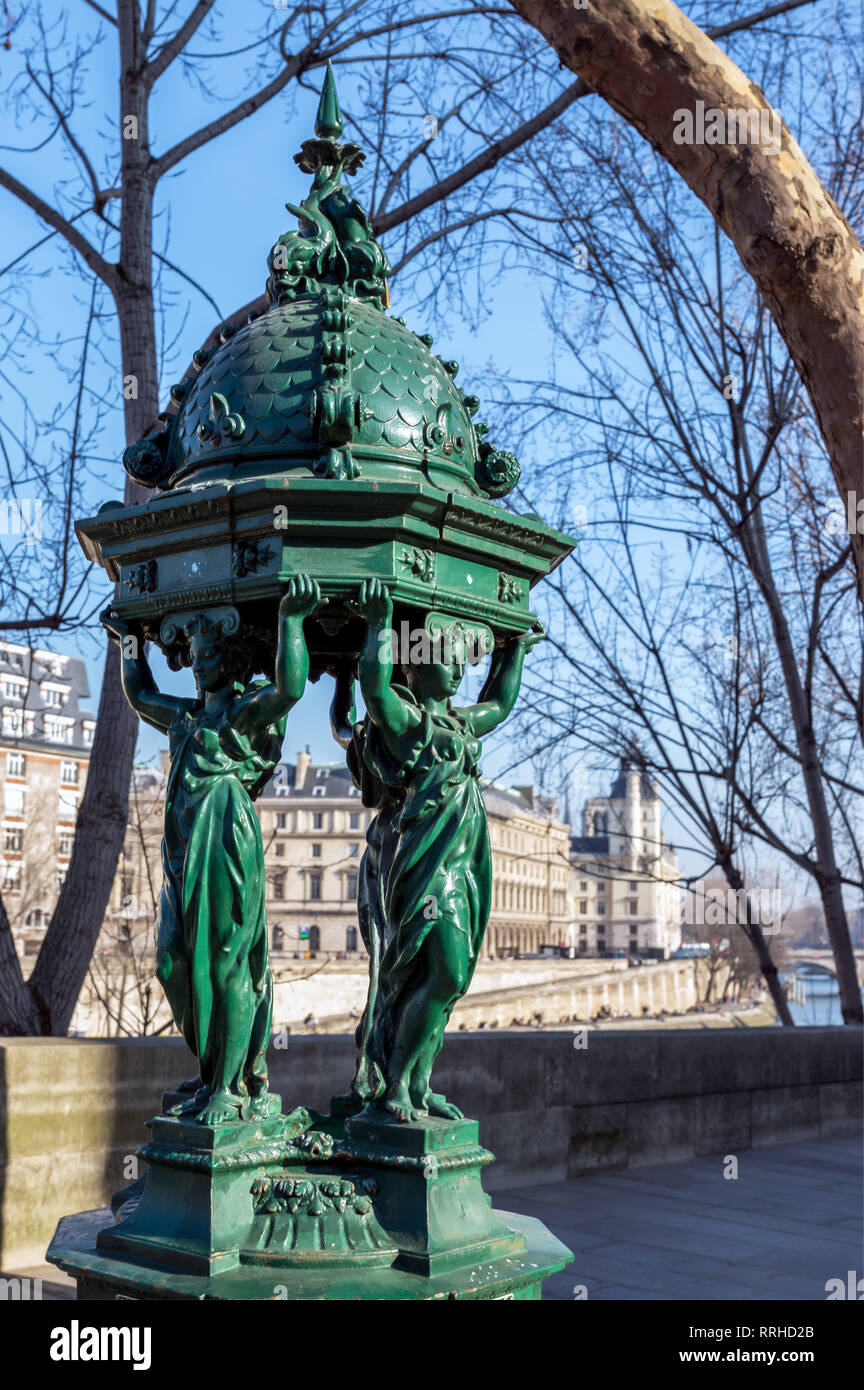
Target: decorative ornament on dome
(335,243)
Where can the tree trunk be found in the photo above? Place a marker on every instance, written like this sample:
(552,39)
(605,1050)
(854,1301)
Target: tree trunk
(755,935)
(828,874)
(100,828)
(648,61)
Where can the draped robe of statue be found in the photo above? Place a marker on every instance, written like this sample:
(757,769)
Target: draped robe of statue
(427,867)
(211,944)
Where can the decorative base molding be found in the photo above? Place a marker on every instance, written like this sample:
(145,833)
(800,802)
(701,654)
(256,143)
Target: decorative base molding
(306,1207)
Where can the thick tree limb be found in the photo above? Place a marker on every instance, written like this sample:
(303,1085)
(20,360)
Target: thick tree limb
(647,60)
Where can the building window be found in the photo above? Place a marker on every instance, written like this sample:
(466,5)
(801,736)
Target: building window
(88,728)
(278,885)
(583,930)
(69,772)
(52,697)
(353,850)
(583,907)
(36,918)
(16,764)
(13,800)
(13,721)
(67,806)
(583,887)
(280,820)
(601,907)
(634,887)
(278,938)
(315,887)
(319,791)
(58,730)
(316,851)
(61,877)
(13,839)
(12,687)
(632,908)
(350,938)
(66,840)
(279,850)
(10,877)
(354,820)
(351,885)
(314,940)
(317,820)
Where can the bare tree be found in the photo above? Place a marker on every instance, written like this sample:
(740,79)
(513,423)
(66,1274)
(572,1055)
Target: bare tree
(649,61)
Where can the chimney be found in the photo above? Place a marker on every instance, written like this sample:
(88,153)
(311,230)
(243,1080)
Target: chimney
(303,761)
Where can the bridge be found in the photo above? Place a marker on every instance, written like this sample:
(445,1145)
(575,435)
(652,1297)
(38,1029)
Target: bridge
(821,960)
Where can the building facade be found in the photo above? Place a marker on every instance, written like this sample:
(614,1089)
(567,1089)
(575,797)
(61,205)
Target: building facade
(45,740)
(624,879)
(314,826)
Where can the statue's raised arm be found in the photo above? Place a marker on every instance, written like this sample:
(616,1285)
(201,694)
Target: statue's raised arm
(501,689)
(139,687)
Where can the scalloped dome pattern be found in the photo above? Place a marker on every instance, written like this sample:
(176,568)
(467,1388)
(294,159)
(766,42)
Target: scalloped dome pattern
(271,371)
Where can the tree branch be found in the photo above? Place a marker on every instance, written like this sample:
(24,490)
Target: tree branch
(93,258)
(99,10)
(486,159)
(165,56)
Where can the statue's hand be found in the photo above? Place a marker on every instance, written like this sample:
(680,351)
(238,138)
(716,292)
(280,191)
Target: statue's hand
(374,603)
(300,598)
(530,638)
(116,627)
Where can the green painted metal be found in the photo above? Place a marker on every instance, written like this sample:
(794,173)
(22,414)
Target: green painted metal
(420,759)
(326,504)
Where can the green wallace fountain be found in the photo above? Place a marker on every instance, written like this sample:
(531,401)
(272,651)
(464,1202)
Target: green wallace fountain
(324,502)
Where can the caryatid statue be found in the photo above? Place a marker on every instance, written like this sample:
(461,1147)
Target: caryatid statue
(426,880)
(211,939)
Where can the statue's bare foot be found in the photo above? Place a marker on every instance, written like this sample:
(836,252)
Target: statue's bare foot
(399,1105)
(221,1106)
(193,1085)
(440,1105)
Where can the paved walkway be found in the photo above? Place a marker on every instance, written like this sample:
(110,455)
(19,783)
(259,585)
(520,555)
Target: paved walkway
(678,1231)
(790,1221)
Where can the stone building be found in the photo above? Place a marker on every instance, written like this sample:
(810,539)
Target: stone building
(45,739)
(624,879)
(314,826)
(530,872)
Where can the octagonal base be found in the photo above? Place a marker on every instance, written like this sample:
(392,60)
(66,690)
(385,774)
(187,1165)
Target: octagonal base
(106,1278)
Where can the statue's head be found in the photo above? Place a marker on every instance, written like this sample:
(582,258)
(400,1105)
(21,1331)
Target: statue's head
(209,643)
(439,654)
(436,679)
(216,660)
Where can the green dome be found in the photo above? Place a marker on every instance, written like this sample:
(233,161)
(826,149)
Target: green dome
(323,382)
(404,409)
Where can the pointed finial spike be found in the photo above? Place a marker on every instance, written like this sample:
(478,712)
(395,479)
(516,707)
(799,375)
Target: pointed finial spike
(328,122)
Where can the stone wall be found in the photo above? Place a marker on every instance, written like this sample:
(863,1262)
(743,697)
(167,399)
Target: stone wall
(72,1111)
